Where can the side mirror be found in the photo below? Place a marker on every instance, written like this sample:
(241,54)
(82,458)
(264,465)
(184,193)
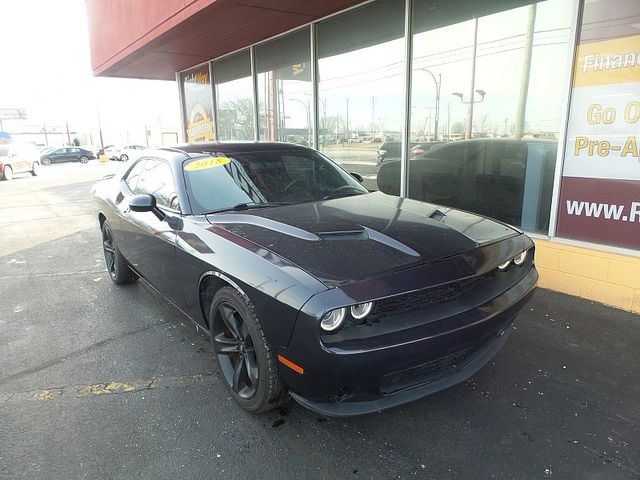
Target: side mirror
(146,203)
(357,176)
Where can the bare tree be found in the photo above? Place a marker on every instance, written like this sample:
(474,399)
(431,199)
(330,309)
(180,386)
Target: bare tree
(236,119)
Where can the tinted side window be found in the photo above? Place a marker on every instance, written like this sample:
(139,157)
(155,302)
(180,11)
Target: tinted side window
(157,179)
(133,175)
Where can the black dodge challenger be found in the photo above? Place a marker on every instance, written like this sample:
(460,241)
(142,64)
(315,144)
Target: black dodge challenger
(308,285)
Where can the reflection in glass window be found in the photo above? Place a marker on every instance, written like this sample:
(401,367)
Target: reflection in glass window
(234,95)
(486,109)
(157,179)
(360,67)
(284,88)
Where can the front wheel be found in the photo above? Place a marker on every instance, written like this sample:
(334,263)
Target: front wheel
(246,361)
(46,162)
(35,168)
(84,159)
(7,173)
(117,266)
(124,157)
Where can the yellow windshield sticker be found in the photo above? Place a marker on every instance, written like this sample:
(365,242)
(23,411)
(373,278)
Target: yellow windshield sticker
(203,164)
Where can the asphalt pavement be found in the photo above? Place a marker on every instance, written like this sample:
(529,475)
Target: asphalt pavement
(101,382)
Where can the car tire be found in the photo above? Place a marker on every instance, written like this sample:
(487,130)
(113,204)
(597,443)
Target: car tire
(46,162)
(124,157)
(35,169)
(117,266)
(84,159)
(245,358)
(7,173)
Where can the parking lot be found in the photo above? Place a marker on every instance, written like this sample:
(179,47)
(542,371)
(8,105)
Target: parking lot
(99,381)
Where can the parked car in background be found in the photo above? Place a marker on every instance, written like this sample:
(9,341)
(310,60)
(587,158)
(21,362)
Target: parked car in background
(391,150)
(123,153)
(18,158)
(421,148)
(485,176)
(66,154)
(310,286)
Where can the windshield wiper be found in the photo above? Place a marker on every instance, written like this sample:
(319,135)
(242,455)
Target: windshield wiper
(343,194)
(249,206)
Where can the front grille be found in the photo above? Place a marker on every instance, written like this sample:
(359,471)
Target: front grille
(434,295)
(426,372)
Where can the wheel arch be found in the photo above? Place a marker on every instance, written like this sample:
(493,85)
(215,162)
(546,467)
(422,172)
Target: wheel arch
(209,284)
(101,218)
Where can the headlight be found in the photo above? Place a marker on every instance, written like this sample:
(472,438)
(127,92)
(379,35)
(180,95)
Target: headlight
(505,265)
(333,319)
(520,258)
(361,310)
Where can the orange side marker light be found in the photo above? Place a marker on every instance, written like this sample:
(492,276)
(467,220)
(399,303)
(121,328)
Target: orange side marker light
(291,365)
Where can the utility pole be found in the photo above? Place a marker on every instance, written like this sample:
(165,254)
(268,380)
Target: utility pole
(526,71)
(348,136)
(46,139)
(469,131)
(68,136)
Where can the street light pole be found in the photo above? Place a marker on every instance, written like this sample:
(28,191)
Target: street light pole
(306,107)
(438,86)
(470,102)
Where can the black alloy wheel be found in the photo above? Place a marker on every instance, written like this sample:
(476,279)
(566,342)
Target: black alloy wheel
(244,356)
(84,159)
(235,350)
(7,174)
(46,162)
(124,157)
(117,266)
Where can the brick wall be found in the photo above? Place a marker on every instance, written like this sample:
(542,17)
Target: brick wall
(609,278)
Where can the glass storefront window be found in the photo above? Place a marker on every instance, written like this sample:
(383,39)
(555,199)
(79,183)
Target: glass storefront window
(283,66)
(361,72)
(487,101)
(198,106)
(234,95)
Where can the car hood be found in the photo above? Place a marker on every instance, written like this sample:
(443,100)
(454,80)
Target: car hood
(354,238)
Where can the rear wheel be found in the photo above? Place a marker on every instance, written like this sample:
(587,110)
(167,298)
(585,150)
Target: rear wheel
(117,266)
(35,168)
(84,159)
(7,173)
(124,157)
(246,360)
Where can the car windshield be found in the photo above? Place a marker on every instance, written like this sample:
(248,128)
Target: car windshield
(218,182)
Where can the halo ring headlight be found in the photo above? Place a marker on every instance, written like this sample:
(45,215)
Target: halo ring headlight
(505,265)
(361,310)
(520,258)
(333,319)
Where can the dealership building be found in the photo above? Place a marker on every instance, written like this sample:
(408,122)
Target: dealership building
(528,112)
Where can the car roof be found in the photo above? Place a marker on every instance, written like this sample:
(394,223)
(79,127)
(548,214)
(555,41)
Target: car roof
(236,147)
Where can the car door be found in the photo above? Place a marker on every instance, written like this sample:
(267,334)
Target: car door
(73,154)
(148,243)
(58,155)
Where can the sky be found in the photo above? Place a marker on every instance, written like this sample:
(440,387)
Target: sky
(45,68)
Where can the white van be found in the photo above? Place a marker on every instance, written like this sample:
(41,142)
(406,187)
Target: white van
(18,159)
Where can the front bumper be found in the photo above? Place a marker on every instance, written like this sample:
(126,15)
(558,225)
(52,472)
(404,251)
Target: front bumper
(446,348)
